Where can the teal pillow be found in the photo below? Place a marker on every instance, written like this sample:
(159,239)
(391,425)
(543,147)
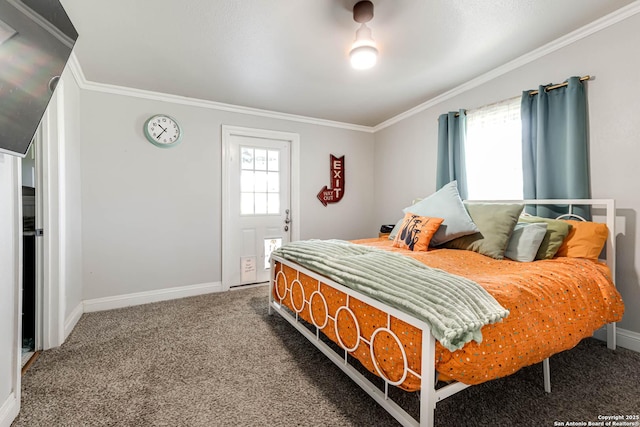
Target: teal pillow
(557,231)
(496,223)
(447,204)
(525,241)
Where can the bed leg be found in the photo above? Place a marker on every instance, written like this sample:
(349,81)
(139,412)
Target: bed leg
(427,384)
(611,336)
(272,280)
(546,373)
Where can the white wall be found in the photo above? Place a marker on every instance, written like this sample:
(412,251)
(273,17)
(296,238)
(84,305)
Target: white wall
(151,217)
(406,152)
(10,271)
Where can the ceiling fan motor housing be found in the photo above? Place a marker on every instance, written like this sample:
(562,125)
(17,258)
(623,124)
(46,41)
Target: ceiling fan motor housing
(363,11)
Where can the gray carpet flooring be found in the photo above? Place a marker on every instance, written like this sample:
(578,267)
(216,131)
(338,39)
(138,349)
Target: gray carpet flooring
(221,360)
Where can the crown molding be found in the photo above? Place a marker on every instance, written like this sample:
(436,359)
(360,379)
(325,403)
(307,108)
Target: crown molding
(577,35)
(76,70)
(82,81)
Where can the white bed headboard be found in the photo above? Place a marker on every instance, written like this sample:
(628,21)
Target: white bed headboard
(609,206)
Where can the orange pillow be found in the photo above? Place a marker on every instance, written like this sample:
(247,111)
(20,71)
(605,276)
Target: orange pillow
(585,240)
(416,231)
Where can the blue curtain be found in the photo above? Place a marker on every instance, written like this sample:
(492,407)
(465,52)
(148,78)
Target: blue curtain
(452,133)
(555,151)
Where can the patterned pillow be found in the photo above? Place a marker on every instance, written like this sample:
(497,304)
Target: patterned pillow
(415,232)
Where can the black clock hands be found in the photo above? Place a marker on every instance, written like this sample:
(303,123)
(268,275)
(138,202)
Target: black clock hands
(163,131)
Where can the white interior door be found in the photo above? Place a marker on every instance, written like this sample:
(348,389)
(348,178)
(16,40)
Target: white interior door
(258,203)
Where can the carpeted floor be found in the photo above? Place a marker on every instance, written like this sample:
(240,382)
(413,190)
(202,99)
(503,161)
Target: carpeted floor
(220,360)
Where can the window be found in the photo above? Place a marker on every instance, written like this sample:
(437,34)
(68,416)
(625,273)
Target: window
(259,181)
(493,152)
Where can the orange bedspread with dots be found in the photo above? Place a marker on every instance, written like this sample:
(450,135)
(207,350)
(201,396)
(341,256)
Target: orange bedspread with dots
(553,305)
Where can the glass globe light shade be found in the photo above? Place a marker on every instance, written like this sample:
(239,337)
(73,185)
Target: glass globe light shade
(363,52)
(363,57)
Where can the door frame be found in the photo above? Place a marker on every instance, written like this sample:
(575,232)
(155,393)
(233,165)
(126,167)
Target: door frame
(51,248)
(294,180)
(52,169)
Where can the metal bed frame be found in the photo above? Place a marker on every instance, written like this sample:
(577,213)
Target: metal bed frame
(429,394)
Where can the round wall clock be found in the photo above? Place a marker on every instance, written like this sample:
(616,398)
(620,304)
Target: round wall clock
(162,131)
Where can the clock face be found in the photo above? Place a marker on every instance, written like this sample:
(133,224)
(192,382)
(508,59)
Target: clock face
(162,131)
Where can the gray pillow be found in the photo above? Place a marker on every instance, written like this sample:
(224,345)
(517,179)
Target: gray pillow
(525,241)
(557,231)
(446,204)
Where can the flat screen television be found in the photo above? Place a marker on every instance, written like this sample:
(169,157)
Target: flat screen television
(36,40)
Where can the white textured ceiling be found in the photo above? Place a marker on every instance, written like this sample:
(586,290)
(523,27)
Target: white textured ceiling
(291,56)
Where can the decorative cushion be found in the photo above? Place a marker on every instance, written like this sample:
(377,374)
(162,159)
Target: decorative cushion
(585,240)
(525,241)
(496,223)
(395,229)
(557,231)
(447,204)
(416,231)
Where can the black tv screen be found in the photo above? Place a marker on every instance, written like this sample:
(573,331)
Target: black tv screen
(36,39)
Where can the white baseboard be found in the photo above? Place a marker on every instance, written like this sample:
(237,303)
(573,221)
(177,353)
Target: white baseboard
(72,320)
(9,410)
(624,338)
(138,298)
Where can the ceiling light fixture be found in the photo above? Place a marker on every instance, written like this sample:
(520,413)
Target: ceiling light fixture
(364,53)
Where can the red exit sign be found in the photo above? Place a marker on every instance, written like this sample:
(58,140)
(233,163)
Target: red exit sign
(335,191)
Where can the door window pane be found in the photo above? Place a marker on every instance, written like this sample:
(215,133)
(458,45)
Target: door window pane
(246,158)
(273,182)
(259,181)
(246,204)
(273,203)
(274,160)
(260,159)
(260,203)
(247,181)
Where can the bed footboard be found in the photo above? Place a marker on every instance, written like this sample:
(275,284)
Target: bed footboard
(290,298)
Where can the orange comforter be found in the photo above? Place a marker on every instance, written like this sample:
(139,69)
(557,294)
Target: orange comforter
(553,304)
